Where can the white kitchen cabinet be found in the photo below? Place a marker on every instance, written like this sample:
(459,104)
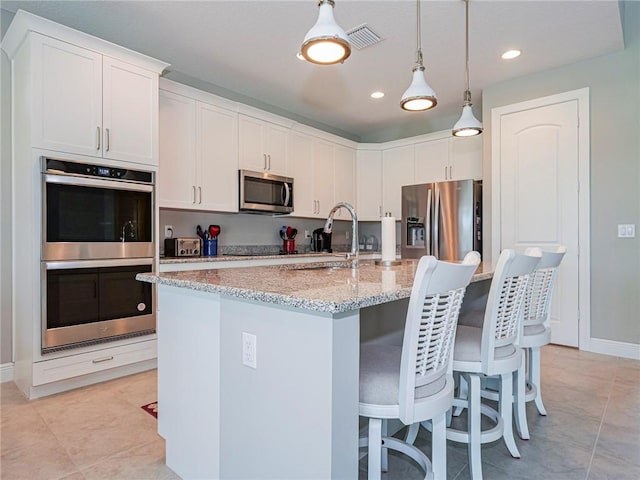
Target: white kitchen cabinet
(397,170)
(262,145)
(466,158)
(91,104)
(323,177)
(369,188)
(432,161)
(198,155)
(344,175)
(301,170)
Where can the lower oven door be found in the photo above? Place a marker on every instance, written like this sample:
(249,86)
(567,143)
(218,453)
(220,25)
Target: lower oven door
(92,301)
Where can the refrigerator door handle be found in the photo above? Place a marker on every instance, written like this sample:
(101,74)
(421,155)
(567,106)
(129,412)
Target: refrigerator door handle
(436,224)
(428,222)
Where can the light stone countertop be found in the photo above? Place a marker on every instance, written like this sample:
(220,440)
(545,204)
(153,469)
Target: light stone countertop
(330,287)
(233,257)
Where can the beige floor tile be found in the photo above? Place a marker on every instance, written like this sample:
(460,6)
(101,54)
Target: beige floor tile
(42,460)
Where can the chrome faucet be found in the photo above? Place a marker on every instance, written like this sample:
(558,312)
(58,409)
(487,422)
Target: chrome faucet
(355,248)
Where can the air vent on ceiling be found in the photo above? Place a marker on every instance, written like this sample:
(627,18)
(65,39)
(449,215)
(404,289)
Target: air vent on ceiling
(363,37)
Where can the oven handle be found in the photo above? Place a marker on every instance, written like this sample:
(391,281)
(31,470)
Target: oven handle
(120,262)
(98,183)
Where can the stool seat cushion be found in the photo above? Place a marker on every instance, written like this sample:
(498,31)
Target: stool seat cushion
(380,373)
(468,345)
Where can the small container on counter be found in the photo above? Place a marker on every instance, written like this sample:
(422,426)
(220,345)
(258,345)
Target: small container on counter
(210,247)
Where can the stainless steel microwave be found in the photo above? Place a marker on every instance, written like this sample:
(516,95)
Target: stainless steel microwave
(262,192)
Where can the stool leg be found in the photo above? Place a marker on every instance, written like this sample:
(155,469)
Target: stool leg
(534,372)
(506,412)
(375,448)
(439,447)
(521,403)
(473,427)
(384,462)
(463,393)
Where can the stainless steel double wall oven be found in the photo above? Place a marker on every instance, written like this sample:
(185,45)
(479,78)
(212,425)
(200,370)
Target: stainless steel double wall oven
(97,234)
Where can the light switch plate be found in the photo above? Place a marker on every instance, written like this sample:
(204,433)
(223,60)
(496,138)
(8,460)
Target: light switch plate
(627,230)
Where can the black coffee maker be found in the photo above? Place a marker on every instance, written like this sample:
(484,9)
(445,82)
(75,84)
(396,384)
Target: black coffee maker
(320,241)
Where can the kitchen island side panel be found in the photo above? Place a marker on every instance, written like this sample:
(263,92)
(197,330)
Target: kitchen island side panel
(189,380)
(295,415)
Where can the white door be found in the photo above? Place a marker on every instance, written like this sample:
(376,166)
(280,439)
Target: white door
(539,198)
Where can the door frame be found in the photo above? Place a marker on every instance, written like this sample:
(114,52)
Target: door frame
(584,209)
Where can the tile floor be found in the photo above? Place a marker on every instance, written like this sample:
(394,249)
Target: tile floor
(100,432)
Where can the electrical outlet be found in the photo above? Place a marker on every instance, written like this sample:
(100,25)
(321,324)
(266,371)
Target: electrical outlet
(306,234)
(168,231)
(627,230)
(249,350)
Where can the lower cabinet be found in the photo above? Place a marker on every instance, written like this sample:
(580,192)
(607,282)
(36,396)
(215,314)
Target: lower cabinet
(48,371)
(198,155)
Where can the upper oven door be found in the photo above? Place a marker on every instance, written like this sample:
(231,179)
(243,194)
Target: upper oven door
(265,192)
(93,218)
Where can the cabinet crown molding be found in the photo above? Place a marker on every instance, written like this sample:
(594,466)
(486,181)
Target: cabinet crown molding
(25,22)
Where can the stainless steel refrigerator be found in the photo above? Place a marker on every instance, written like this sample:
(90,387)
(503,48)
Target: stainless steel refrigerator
(442,219)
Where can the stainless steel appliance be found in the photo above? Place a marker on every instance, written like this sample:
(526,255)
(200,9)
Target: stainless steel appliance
(182,247)
(442,219)
(97,234)
(265,193)
(91,211)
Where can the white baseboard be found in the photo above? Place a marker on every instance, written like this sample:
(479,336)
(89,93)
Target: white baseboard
(6,372)
(611,347)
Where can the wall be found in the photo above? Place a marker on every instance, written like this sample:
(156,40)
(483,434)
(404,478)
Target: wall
(614,83)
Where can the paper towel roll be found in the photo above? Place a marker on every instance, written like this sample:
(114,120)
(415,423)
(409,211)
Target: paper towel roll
(388,238)
(388,280)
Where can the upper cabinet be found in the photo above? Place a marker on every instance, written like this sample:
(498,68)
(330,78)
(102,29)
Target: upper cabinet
(198,151)
(397,170)
(369,184)
(82,95)
(262,145)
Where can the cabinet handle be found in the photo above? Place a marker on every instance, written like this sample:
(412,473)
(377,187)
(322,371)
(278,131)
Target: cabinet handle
(199,194)
(194,194)
(445,172)
(98,131)
(105,359)
(107,142)
(269,157)
(380,210)
(264,156)
(450,172)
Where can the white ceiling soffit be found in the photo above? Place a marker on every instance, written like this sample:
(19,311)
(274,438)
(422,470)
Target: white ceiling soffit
(249,48)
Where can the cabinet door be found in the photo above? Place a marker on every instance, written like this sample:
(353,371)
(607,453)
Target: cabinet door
(252,155)
(466,158)
(301,170)
(323,188)
(276,148)
(432,161)
(397,170)
(130,112)
(217,155)
(344,164)
(369,185)
(176,185)
(67,97)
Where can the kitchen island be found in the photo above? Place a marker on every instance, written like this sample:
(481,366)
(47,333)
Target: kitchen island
(258,367)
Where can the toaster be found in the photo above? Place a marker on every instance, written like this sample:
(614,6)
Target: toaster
(182,247)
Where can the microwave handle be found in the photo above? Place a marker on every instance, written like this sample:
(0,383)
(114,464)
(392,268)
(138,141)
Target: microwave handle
(287,194)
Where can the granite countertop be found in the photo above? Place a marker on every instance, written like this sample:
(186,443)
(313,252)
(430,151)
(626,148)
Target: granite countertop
(331,287)
(233,257)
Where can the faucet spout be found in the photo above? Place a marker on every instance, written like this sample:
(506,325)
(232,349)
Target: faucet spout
(328,226)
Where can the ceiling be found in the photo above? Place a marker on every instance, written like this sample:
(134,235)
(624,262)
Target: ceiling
(245,50)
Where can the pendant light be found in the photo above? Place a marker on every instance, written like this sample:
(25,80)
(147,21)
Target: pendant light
(326,43)
(419,96)
(468,125)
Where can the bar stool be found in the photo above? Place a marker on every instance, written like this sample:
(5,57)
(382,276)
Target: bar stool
(491,351)
(535,333)
(413,382)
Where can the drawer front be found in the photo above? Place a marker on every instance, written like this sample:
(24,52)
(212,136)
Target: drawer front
(57,369)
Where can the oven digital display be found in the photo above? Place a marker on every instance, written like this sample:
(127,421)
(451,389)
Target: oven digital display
(104,171)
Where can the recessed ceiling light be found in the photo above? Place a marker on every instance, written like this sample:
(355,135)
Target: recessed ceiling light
(511,54)
(377,95)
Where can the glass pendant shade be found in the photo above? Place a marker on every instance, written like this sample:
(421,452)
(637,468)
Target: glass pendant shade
(468,125)
(419,96)
(326,43)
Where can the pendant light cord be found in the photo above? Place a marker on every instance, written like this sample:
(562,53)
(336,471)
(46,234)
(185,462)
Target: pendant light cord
(418,35)
(467,93)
